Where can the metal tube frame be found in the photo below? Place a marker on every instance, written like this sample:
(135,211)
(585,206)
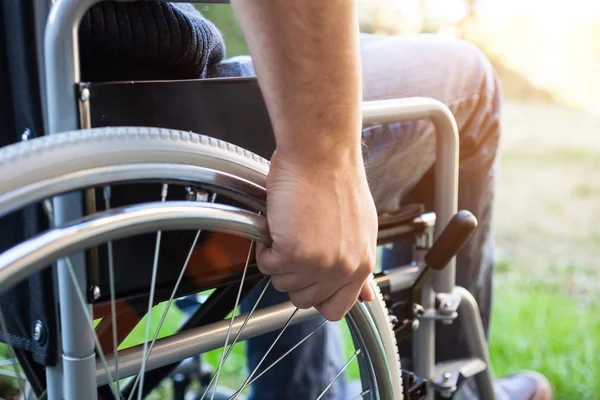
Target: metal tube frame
(62,75)
(469,314)
(41,11)
(446,205)
(61,60)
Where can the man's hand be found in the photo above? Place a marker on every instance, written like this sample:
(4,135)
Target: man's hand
(324,229)
(320,212)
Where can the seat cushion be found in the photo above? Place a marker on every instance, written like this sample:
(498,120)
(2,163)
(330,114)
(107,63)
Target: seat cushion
(147,40)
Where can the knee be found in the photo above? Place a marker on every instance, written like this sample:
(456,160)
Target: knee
(479,76)
(480,98)
(490,86)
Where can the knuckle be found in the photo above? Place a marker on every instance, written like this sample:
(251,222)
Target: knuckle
(298,251)
(368,266)
(346,266)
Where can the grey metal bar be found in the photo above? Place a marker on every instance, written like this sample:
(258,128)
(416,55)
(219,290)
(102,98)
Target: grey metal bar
(446,203)
(30,256)
(423,344)
(77,340)
(200,340)
(446,172)
(402,277)
(62,62)
(54,373)
(62,72)
(387,235)
(473,330)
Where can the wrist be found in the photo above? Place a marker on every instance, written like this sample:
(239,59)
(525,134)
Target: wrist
(340,152)
(341,158)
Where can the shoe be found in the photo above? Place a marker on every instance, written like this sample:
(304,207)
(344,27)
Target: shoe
(525,385)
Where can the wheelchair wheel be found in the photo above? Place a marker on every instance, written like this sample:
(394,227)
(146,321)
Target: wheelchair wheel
(206,213)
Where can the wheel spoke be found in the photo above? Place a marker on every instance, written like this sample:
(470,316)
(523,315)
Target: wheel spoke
(237,336)
(363,394)
(356,353)
(163,196)
(237,302)
(113,306)
(235,396)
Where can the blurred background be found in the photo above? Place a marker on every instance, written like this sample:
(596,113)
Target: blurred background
(546,313)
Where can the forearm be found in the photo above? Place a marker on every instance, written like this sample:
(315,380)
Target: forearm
(307,60)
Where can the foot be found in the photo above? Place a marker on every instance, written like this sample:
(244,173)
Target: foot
(526,385)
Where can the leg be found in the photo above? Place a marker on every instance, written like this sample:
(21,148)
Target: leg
(399,157)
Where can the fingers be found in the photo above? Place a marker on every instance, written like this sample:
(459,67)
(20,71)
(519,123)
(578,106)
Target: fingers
(286,276)
(366,292)
(291,282)
(328,291)
(338,305)
(333,307)
(315,294)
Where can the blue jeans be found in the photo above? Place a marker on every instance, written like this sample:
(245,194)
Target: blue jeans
(399,159)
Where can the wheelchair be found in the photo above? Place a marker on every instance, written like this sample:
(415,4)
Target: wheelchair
(110,205)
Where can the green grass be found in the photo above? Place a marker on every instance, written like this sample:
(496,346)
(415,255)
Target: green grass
(169,327)
(535,327)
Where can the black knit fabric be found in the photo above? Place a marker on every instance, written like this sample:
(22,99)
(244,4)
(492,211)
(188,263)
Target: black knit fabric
(147,41)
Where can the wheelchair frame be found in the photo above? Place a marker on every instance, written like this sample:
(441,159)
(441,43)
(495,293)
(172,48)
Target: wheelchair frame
(74,374)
